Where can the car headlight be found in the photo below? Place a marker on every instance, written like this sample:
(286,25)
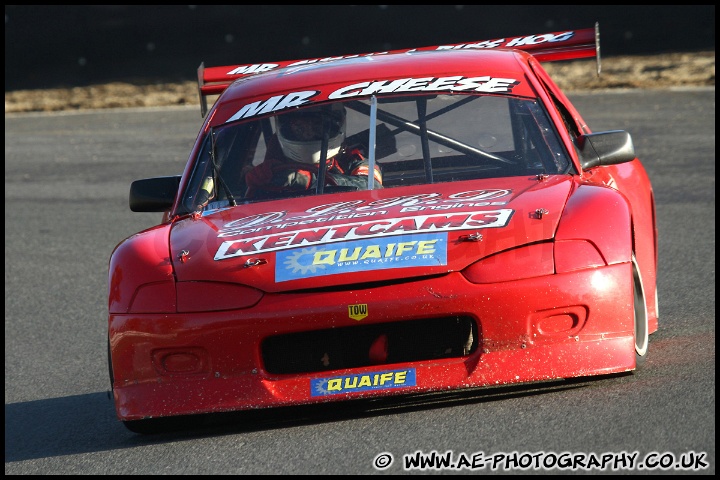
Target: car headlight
(534,261)
(524,262)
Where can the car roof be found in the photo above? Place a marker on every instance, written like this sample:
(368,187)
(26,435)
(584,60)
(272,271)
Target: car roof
(502,71)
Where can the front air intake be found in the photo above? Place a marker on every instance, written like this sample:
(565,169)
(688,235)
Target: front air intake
(370,345)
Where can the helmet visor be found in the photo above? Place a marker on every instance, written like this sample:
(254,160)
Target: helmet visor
(309,126)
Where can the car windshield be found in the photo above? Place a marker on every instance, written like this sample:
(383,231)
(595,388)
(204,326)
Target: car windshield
(408,140)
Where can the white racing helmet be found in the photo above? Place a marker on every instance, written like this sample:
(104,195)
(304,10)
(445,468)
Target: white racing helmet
(301,132)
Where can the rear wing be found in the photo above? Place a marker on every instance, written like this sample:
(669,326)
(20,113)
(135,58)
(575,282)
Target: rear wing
(567,45)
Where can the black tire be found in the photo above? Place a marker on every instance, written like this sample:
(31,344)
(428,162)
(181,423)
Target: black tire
(640,316)
(178,423)
(151,426)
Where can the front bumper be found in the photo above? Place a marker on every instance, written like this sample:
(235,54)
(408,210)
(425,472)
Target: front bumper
(539,329)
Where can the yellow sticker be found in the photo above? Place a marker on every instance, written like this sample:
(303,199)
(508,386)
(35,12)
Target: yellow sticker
(358,312)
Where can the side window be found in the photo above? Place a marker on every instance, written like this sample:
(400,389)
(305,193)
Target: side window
(567,118)
(222,163)
(573,121)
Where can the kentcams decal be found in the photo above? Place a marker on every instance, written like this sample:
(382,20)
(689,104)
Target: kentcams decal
(363,230)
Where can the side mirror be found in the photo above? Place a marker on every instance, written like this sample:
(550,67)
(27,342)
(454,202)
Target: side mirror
(605,148)
(154,194)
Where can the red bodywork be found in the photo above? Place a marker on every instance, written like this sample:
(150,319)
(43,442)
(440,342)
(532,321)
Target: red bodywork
(202,318)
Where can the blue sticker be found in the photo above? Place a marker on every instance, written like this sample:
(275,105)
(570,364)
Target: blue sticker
(383,380)
(404,251)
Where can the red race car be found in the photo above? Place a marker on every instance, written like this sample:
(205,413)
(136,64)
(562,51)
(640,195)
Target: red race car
(384,224)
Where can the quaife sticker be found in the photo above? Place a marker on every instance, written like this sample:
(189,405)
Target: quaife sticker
(383,380)
(420,250)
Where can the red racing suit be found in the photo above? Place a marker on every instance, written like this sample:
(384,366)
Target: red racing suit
(278,174)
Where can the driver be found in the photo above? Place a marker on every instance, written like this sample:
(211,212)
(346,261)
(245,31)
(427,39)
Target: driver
(293,156)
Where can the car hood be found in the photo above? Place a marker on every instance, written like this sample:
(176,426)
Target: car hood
(370,236)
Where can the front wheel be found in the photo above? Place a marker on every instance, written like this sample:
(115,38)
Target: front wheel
(640,316)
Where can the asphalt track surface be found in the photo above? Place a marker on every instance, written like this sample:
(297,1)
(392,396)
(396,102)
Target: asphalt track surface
(66,188)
